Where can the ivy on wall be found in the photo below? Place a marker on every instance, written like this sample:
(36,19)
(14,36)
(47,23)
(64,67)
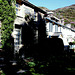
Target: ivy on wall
(7,16)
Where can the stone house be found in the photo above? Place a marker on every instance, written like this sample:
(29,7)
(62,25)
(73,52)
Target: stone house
(26,24)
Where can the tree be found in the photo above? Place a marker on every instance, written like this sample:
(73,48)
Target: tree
(7,16)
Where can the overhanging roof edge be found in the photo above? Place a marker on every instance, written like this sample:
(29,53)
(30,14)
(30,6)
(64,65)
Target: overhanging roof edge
(33,6)
(60,24)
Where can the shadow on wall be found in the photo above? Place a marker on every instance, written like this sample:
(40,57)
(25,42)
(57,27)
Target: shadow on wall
(45,47)
(29,36)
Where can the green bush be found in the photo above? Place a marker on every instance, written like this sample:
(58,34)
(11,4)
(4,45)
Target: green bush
(31,64)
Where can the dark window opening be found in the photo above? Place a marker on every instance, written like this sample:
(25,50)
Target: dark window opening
(17,26)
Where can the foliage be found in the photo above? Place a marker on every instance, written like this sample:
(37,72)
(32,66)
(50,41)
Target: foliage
(7,16)
(1,72)
(51,64)
(31,64)
(74,42)
(67,13)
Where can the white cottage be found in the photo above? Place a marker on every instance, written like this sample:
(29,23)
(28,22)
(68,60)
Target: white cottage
(55,28)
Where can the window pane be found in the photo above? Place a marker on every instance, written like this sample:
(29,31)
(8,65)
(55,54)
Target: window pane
(51,27)
(56,28)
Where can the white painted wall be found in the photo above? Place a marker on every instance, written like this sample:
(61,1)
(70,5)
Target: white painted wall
(22,10)
(68,35)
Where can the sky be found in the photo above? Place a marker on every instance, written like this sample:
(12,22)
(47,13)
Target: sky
(52,4)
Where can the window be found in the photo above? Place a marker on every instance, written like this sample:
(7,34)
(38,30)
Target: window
(17,5)
(17,40)
(0,44)
(16,44)
(50,27)
(16,11)
(17,8)
(34,15)
(17,26)
(56,28)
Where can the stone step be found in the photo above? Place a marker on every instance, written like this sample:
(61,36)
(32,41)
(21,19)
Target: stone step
(21,71)
(2,65)
(1,55)
(1,49)
(1,59)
